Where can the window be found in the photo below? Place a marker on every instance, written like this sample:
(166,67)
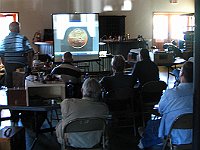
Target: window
(5,20)
(170,26)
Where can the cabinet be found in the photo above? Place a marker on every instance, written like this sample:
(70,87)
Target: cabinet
(56,89)
(111,26)
(189,40)
(189,43)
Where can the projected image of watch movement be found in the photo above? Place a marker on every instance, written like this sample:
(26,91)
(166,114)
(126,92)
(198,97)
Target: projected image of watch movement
(77,38)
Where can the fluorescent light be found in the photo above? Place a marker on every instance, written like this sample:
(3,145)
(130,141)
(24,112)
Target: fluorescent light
(127,5)
(107,8)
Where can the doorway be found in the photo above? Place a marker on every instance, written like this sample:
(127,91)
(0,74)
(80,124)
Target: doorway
(5,20)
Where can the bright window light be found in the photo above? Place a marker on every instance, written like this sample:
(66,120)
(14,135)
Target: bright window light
(160,27)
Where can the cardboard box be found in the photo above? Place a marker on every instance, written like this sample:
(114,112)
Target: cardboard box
(16,97)
(12,138)
(163,57)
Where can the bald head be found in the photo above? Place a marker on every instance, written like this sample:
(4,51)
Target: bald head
(14,27)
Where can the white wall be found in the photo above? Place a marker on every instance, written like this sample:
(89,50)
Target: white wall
(35,15)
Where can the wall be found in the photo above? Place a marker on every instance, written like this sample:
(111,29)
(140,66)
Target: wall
(35,15)
(139,20)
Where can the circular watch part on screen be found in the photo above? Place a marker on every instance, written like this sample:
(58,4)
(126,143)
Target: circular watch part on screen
(77,38)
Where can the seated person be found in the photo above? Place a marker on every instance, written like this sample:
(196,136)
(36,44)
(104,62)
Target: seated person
(88,106)
(174,102)
(118,79)
(145,70)
(173,47)
(67,70)
(176,73)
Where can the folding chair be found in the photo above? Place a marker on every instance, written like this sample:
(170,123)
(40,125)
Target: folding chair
(121,105)
(85,125)
(150,95)
(184,121)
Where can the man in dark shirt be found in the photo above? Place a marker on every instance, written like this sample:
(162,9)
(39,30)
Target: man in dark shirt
(145,70)
(118,79)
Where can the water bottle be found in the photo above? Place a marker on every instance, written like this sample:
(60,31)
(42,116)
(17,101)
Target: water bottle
(70,89)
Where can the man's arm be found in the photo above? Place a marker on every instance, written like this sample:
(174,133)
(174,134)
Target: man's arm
(163,103)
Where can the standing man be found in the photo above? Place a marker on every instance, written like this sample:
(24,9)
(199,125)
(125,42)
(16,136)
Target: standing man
(15,52)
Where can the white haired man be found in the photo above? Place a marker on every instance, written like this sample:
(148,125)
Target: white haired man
(88,106)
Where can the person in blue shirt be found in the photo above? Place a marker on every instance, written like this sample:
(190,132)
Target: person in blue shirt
(15,52)
(174,102)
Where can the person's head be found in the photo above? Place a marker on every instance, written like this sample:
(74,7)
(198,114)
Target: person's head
(14,27)
(186,73)
(144,54)
(91,88)
(67,57)
(118,63)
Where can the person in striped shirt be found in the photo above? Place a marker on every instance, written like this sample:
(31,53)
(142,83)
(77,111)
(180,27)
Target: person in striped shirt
(15,52)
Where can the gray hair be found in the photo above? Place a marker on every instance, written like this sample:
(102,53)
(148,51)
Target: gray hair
(91,88)
(118,63)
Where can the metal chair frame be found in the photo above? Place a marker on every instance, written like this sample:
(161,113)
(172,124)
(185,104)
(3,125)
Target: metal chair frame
(154,88)
(184,121)
(122,108)
(86,125)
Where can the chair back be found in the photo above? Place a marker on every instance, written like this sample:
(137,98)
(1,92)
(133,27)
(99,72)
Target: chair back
(120,93)
(154,86)
(184,121)
(150,95)
(121,105)
(119,99)
(86,125)
(73,90)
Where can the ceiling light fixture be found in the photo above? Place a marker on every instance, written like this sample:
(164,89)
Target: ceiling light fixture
(107,8)
(173,1)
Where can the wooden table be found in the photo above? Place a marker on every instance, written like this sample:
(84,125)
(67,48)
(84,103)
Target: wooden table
(177,61)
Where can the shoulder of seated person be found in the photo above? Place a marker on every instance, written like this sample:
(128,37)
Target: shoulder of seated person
(71,100)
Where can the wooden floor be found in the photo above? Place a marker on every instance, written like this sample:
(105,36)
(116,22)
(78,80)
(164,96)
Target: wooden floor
(122,139)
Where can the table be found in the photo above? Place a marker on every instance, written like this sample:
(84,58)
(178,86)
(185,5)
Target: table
(35,110)
(177,61)
(48,90)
